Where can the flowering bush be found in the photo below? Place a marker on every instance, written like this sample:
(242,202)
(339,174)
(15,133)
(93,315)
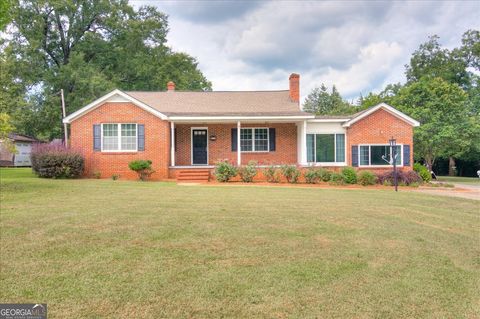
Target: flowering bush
(311,176)
(54,160)
(272,174)
(224,171)
(291,173)
(248,172)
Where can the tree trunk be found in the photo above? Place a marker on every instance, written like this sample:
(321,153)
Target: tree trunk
(451,166)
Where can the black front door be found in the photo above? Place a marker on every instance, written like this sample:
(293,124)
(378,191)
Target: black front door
(199,147)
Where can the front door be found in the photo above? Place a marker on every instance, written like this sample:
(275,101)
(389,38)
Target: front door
(199,147)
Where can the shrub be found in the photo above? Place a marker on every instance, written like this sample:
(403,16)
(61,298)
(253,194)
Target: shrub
(349,175)
(54,160)
(224,171)
(272,174)
(324,174)
(142,167)
(115,177)
(311,176)
(403,178)
(337,178)
(248,172)
(423,172)
(291,173)
(97,175)
(366,178)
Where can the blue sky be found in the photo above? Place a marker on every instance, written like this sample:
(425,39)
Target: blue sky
(360,46)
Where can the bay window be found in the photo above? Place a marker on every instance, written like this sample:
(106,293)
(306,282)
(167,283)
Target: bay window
(326,148)
(378,155)
(119,137)
(254,140)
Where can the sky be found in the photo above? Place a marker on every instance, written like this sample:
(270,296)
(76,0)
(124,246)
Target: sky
(360,46)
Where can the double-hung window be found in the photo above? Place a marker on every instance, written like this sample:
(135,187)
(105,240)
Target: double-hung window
(379,155)
(254,139)
(326,148)
(119,137)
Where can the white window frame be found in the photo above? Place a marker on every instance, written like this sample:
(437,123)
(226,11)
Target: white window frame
(334,163)
(253,139)
(370,156)
(119,137)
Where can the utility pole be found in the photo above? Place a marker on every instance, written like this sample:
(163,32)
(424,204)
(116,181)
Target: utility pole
(64,115)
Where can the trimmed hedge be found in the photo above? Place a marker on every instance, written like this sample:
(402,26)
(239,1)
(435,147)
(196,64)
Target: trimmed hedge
(54,160)
(142,167)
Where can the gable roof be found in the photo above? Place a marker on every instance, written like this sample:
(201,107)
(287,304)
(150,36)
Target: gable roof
(384,106)
(112,95)
(211,104)
(22,138)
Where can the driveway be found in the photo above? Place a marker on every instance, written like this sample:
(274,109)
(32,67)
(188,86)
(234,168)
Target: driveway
(470,191)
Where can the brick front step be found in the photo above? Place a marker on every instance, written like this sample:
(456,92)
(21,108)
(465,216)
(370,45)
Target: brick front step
(193,175)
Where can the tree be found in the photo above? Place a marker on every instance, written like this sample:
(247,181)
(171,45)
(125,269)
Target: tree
(431,60)
(87,48)
(440,108)
(6,128)
(320,101)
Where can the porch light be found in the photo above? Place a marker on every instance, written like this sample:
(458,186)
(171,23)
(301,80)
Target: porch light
(213,137)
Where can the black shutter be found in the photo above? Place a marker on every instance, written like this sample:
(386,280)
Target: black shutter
(406,155)
(234,139)
(271,136)
(141,137)
(97,137)
(355,155)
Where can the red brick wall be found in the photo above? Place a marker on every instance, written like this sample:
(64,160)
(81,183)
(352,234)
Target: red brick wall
(285,150)
(378,128)
(157,141)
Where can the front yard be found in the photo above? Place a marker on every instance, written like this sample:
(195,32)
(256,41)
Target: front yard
(102,248)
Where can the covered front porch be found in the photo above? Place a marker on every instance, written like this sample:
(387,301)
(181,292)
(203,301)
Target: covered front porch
(198,145)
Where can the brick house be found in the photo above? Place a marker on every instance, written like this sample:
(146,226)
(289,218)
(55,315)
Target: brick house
(185,133)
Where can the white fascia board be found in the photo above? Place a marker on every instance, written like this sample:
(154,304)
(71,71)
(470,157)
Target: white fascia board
(387,108)
(104,98)
(327,120)
(238,118)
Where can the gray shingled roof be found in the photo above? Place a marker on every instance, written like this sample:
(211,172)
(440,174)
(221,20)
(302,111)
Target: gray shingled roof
(218,103)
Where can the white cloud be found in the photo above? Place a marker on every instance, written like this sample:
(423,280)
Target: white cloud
(359,46)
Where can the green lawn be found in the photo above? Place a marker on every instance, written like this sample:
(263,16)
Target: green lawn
(102,248)
(461,180)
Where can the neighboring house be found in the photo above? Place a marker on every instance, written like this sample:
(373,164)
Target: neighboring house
(186,133)
(23,148)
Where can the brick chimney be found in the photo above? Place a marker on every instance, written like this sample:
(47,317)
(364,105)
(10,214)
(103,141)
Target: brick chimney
(171,86)
(295,87)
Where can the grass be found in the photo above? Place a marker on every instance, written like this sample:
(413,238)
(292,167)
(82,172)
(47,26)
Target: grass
(118,249)
(458,179)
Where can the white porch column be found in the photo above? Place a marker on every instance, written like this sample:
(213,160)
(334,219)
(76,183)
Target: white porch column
(172,143)
(303,144)
(239,153)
